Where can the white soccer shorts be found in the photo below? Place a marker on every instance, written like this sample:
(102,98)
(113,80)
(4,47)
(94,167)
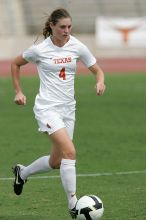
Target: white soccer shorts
(54,119)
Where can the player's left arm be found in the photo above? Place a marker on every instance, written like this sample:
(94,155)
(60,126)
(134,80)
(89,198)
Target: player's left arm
(99,74)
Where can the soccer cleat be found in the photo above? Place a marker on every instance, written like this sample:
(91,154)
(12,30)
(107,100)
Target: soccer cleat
(73,213)
(18,182)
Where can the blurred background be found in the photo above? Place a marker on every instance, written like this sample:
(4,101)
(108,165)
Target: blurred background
(110,28)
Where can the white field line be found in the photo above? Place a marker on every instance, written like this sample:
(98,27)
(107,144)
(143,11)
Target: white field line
(83,175)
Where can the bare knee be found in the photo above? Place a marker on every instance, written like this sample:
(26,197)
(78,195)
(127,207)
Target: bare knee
(69,154)
(55,164)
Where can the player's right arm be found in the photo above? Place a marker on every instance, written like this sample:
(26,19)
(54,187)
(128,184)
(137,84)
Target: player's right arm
(19,61)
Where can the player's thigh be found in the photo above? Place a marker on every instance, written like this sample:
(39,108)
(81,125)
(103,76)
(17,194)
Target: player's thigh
(61,139)
(69,125)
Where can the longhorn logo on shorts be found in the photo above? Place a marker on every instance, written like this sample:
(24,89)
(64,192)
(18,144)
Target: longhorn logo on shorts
(48,126)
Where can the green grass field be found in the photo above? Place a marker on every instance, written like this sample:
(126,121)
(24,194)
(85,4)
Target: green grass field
(110,137)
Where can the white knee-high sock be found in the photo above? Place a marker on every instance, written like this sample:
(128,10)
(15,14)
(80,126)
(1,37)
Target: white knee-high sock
(68,177)
(39,165)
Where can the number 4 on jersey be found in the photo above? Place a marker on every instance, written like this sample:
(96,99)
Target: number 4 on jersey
(62,73)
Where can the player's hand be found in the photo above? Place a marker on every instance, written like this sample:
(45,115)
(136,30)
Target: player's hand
(100,88)
(20,99)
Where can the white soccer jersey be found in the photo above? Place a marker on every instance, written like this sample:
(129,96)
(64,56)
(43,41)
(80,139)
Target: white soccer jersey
(56,68)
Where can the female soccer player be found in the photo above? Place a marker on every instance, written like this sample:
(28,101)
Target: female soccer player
(54,107)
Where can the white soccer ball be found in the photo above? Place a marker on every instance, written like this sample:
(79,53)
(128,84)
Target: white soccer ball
(89,207)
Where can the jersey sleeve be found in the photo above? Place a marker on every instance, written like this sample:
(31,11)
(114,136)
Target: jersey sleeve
(86,56)
(31,54)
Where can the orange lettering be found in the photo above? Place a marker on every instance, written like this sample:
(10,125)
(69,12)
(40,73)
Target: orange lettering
(62,74)
(62,60)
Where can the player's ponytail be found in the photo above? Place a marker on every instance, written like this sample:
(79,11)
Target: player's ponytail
(47,31)
(54,18)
